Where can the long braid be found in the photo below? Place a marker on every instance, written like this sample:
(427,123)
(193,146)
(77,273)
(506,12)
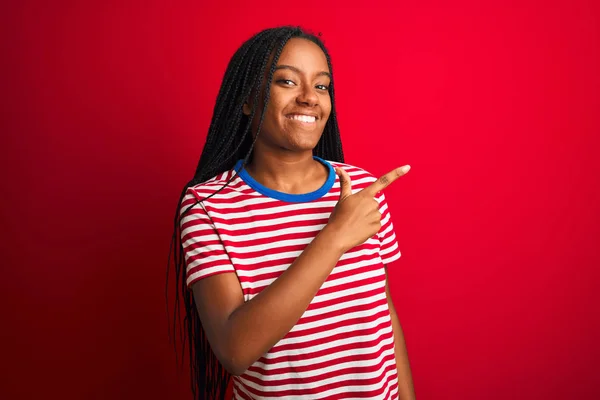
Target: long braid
(228,140)
(330,145)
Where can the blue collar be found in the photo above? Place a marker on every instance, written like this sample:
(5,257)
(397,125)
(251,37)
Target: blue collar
(290,198)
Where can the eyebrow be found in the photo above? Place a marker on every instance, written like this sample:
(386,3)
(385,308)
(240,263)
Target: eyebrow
(322,73)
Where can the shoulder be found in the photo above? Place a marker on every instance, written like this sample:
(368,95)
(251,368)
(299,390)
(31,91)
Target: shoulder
(219,188)
(358,175)
(211,185)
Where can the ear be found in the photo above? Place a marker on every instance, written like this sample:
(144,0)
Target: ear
(246,109)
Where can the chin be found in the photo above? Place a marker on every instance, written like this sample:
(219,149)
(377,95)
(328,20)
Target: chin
(303,145)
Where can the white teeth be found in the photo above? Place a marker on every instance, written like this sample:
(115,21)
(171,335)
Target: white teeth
(303,118)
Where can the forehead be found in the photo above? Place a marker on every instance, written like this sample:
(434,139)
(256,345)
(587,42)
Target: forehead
(303,54)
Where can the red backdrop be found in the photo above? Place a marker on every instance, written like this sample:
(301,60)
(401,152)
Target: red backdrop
(105,108)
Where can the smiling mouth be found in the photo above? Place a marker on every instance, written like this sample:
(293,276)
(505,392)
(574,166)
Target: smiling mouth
(307,119)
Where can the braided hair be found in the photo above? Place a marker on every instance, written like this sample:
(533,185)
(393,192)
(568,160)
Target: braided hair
(229,140)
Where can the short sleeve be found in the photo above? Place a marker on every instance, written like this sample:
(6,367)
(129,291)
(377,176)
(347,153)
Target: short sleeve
(204,252)
(389,251)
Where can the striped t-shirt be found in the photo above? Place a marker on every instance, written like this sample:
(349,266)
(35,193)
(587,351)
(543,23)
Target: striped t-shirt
(343,345)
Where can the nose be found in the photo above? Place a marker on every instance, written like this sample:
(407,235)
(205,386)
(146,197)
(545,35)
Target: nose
(308,96)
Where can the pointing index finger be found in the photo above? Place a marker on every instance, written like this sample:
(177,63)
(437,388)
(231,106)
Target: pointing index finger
(385,180)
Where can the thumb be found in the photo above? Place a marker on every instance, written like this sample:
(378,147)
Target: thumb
(345,183)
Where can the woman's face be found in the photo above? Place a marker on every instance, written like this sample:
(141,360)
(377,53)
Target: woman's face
(299,105)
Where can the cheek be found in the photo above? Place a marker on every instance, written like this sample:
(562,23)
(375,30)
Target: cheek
(326,106)
(274,107)
(271,113)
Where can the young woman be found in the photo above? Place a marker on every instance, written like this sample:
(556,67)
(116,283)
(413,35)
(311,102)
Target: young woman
(282,246)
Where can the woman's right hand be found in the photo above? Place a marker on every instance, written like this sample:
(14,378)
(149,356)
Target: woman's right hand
(356,217)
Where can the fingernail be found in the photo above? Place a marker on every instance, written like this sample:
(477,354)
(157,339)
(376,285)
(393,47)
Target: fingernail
(405,169)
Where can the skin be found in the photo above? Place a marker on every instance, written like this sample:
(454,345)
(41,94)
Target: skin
(406,388)
(241,332)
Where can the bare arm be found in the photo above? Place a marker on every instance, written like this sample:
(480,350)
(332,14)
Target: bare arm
(241,332)
(406,390)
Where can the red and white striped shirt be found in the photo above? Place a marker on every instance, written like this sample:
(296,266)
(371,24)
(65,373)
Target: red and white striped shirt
(343,345)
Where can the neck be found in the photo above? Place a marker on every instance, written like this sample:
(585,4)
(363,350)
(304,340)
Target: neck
(293,173)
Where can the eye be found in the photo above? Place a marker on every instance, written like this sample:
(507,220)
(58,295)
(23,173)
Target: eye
(286,82)
(322,87)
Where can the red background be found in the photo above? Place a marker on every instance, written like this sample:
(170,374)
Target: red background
(105,108)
